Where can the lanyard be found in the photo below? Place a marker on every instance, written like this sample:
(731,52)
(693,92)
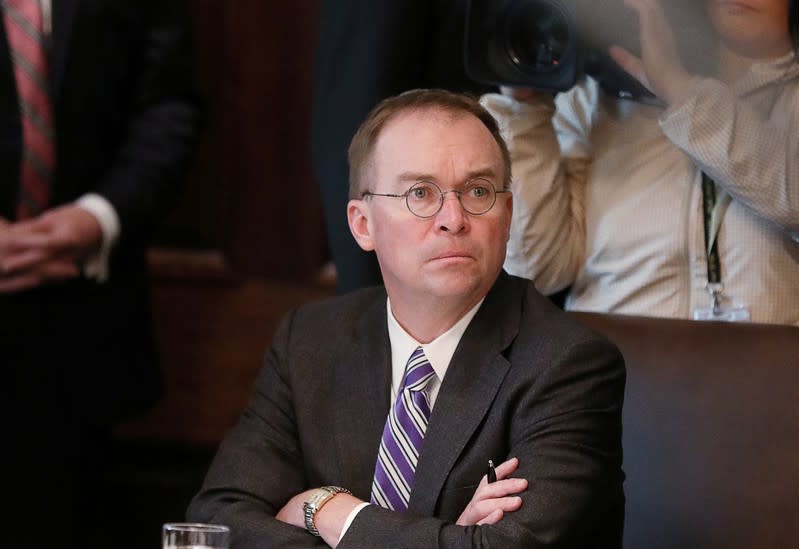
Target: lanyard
(711,239)
(714,284)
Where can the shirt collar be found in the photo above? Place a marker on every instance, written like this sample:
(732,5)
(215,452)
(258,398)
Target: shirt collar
(438,352)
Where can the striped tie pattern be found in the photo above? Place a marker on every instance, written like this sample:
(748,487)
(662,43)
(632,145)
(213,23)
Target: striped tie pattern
(23,22)
(403,436)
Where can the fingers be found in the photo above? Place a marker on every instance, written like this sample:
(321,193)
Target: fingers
(519,94)
(488,511)
(491,501)
(501,488)
(506,504)
(630,63)
(51,271)
(497,495)
(59,234)
(25,234)
(15,239)
(20,251)
(24,260)
(493,517)
(652,21)
(659,67)
(506,468)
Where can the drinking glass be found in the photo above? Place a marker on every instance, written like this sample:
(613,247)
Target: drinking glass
(192,535)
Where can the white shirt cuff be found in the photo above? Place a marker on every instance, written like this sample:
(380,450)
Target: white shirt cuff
(96,266)
(350,518)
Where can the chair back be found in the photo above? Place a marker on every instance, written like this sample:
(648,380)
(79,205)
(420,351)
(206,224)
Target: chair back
(711,432)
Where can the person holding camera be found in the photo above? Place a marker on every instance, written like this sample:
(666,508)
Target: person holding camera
(687,207)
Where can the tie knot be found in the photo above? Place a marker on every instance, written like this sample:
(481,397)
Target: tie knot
(418,372)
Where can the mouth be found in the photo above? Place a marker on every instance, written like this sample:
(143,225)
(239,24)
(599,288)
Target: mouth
(735,6)
(452,256)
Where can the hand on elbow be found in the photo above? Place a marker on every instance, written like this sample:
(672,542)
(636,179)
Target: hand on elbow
(492,500)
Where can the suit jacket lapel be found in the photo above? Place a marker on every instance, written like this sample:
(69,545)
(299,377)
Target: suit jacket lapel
(364,372)
(473,378)
(63,12)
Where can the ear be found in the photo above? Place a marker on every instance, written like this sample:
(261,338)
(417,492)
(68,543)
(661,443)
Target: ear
(358,218)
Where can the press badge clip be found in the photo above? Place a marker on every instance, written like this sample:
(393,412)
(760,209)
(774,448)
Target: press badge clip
(722,308)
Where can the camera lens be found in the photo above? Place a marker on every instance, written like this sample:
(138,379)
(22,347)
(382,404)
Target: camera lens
(536,34)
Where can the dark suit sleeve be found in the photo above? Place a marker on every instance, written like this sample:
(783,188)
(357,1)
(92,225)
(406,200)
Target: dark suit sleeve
(258,467)
(565,428)
(158,137)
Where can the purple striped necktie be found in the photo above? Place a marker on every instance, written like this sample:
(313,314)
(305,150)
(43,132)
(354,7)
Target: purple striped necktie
(24,29)
(403,436)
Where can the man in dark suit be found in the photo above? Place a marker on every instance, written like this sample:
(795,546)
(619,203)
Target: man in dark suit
(368,51)
(98,107)
(508,376)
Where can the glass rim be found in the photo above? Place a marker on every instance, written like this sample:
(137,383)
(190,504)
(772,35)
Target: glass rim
(195,527)
(459,193)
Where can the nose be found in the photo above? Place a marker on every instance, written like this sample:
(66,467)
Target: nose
(451,218)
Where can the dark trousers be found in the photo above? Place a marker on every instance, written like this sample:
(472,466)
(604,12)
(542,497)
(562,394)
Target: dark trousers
(53,454)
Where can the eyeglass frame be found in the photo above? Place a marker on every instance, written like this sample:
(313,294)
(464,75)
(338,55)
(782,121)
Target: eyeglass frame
(441,194)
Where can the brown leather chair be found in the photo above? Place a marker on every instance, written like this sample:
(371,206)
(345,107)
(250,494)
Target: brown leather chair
(711,432)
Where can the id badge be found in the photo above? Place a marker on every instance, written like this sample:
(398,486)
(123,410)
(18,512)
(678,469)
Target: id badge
(732,313)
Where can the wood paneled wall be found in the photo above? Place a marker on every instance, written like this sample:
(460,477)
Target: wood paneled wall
(247,242)
(251,195)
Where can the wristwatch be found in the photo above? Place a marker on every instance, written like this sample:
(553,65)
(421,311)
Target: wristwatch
(318,498)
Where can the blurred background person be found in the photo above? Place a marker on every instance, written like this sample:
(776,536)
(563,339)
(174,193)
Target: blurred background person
(98,119)
(686,209)
(368,51)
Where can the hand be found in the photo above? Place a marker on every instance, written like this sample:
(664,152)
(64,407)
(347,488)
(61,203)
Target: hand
(519,94)
(292,512)
(47,248)
(659,68)
(491,501)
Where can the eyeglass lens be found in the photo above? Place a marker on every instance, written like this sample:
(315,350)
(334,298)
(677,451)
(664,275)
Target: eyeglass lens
(425,199)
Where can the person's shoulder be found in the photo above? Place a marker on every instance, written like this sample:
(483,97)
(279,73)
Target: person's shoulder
(552,339)
(341,307)
(549,326)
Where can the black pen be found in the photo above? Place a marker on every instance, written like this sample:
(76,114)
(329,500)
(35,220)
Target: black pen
(492,473)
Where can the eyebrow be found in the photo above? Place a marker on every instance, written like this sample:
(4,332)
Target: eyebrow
(487,173)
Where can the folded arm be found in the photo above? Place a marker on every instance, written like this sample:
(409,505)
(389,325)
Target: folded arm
(564,425)
(567,434)
(488,505)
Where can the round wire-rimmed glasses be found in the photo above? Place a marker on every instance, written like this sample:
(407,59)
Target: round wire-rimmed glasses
(425,199)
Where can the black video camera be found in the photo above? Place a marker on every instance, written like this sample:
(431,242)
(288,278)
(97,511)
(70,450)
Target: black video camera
(551,44)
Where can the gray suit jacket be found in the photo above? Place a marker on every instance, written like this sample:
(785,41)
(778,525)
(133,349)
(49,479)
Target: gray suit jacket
(526,381)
